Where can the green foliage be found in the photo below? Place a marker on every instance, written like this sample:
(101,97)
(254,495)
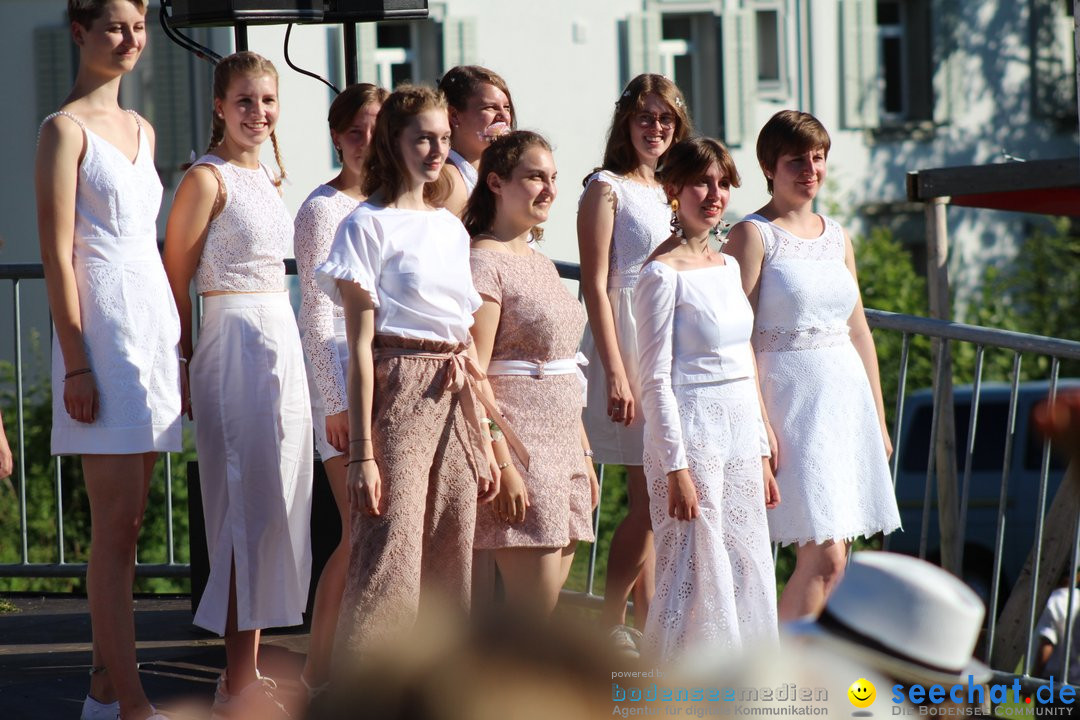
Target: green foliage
(41,497)
(613,507)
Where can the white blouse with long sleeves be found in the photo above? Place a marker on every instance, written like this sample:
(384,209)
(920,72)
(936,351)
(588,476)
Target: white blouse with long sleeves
(316,224)
(415,265)
(693,326)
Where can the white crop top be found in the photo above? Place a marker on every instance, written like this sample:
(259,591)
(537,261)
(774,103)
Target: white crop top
(247,243)
(693,326)
(415,265)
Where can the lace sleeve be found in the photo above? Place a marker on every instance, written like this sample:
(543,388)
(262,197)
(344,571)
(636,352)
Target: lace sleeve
(315,225)
(654,308)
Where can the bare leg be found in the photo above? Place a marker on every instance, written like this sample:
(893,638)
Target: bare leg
(818,568)
(324,618)
(630,561)
(533,577)
(241,648)
(117,486)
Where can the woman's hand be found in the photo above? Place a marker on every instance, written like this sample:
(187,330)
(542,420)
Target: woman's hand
(682,501)
(337,431)
(888,442)
(364,485)
(509,505)
(772,489)
(621,406)
(81,397)
(7,465)
(185,392)
(487,489)
(594,484)
(774,449)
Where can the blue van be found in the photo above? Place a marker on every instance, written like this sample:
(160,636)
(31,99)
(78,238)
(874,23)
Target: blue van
(1021,501)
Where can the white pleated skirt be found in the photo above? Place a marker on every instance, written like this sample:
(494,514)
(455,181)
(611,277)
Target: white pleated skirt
(252,412)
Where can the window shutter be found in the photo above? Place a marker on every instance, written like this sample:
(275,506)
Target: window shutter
(54,65)
(367,41)
(738,30)
(859,64)
(642,44)
(1055,68)
(459,42)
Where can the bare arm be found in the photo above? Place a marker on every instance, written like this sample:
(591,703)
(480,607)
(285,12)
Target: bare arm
(745,245)
(459,196)
(863,341)
(364,479)
(595,225)
(1042,656)
(60,149)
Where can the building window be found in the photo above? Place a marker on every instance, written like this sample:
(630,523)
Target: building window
(395,57)
(903,55)
(770,59)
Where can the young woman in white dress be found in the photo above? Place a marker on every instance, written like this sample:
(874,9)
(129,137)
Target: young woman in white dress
(418,459)
(115,369)
(229,230)
(322,328)
(818,366)
(480,109)
(706,449)
(622,217)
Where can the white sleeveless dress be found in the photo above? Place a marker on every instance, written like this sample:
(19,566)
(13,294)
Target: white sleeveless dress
(834,477)
(642,221)
(130,326)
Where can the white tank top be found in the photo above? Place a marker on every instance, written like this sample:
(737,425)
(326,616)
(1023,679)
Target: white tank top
(248,241)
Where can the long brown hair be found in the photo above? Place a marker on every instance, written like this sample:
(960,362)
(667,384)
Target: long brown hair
(384,169)
(619,154)
(501,157)
(350,101)
(241,63)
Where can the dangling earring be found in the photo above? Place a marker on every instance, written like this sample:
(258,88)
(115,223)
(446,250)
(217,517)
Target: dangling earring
(676,228)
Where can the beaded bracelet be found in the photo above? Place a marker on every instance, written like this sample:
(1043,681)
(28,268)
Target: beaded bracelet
(505,465)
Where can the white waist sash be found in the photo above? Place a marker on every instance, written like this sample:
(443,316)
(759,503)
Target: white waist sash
(563,366)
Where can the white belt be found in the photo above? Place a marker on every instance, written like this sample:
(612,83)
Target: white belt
(563,366)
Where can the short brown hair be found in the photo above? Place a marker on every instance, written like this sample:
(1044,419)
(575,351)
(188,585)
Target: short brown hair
(384,169)
(85,12)
(500,157)
(691,158)
(789,132)
(463,81)
(350,101)
(619,154)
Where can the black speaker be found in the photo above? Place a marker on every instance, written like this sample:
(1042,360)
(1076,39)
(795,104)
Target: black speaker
(191,13)
(338,11)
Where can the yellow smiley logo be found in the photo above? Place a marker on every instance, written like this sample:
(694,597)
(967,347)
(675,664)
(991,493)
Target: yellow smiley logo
(862,693)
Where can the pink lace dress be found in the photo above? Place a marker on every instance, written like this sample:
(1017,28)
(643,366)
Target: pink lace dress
(540,322)
(834,477)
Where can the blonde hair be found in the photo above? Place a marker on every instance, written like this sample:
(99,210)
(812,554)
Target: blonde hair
(241,63)
(384,169)
(85,12)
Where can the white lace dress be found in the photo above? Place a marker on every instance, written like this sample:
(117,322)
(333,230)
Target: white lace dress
(715,581)
(642,221)
(834,477)
(129,320)
(322,322)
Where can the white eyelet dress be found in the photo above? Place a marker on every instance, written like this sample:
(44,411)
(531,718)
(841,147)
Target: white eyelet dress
(252,410)
(129,321)
(642,222)
(834,477)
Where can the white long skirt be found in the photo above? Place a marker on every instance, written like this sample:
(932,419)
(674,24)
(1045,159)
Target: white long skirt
(715,580)
(252,412)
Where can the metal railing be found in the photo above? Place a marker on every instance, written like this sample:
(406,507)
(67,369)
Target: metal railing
(909,328)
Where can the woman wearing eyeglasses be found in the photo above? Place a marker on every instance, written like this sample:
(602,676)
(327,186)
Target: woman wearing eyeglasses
(622,217)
